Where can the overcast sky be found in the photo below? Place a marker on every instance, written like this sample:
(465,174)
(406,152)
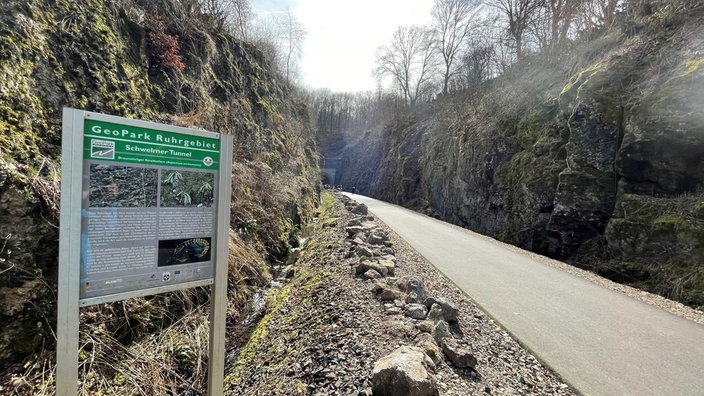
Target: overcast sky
(343,36)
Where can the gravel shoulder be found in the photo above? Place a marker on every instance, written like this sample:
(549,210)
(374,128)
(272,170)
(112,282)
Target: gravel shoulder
(324,330)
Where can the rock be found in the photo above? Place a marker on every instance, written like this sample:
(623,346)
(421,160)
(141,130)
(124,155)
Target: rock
(412,284)
(404,372)
(441,331)
(435,313)
(363,251)
(360,209)
(371,274)
(429,301)
(357,241)
(354,230)
(385,267)
(388,294)
(355,222)
(416,311)
(457,351)
(413,298)
(449,311)
(425,326)
(394,311)
(377,238)
(388,250)
(426,342)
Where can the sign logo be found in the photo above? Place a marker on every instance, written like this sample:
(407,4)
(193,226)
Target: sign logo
(207,161)
(103,149)
(166,276)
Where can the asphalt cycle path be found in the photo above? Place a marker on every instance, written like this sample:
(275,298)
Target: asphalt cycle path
(598,340)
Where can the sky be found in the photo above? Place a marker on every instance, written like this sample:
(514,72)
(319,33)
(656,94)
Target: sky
(343,35)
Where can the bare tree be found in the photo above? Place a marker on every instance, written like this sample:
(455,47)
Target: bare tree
(451,22)
(520,13)
(600,13)
(292,35)
(234,15)
(240,18)
(410,60)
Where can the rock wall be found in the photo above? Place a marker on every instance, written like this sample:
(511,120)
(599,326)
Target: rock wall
(594,155)
(119,58)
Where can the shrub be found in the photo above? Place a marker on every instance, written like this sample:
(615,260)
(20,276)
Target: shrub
(164,46)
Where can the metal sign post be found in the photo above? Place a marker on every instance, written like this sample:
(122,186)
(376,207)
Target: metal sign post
(144,210)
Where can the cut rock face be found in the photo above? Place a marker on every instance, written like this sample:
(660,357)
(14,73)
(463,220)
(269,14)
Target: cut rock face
(404,372)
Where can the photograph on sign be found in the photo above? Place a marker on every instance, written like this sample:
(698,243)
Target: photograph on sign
(184,251)
(148,209)
(187,189)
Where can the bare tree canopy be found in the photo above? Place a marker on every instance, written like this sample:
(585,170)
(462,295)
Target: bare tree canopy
(451,23)
(410,60)
(519,14)
(292,35)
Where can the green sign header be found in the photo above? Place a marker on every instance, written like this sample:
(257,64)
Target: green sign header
(105,141)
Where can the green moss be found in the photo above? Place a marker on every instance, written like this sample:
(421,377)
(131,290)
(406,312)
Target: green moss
(572,89)
(692,66)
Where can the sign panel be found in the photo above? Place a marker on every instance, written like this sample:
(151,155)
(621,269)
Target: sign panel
(148,207)
(144,210)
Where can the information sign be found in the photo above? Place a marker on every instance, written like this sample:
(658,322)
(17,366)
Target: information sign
(144,210)
(148,207)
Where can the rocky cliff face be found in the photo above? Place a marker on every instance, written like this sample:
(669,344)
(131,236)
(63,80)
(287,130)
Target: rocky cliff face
(595,156)
(143,59)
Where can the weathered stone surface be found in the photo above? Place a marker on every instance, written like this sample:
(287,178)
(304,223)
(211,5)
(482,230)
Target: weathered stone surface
(413,298)
(377,238)
(360,209)
(404,372)
(415,289)
(389,294)
(383,267)
(427,343)
(458,352)
(363,251)
(371,274)
(357,241)
(416,311)
(448,310)
(441,331)
(386,267)
(425,326)
(435,313)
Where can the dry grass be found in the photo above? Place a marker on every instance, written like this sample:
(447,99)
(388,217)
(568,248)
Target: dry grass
(147,346)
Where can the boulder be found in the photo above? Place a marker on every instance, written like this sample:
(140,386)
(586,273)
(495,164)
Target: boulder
(426,342)
(371,274)
(363,251)
(388,294)
(441,331)
(449,310)
(412,284)
(377,238)
(425,326)
(357,241)
(413,298)
(404,372)
(457,351)
(388,267)
(416,311)
(383,267)
(435,313)
(360,209)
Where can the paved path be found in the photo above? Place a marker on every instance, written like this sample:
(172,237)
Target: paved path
(600,341)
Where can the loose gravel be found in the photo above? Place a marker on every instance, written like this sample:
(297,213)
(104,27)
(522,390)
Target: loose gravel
(325,330)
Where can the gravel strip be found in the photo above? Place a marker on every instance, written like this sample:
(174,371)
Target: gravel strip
(328,330)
